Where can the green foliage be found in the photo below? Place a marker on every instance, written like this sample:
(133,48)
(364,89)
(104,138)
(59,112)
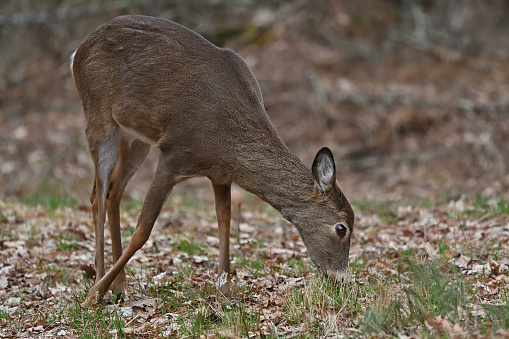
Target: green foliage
(254,264)
(68,242)
(4,314)
(386,213)
(421,289)
(190,247)
(129,203)
(50,194)
(489,206)
(296,266)
(384,210)
(95,322)
(498,316)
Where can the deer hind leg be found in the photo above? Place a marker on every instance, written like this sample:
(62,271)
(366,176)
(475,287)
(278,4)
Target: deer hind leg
(222,194)
(164,180)
(130,157)
(104,156)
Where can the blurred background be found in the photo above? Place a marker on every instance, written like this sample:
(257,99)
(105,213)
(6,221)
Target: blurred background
(412,96)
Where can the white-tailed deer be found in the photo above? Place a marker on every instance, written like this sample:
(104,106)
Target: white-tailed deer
(148,81)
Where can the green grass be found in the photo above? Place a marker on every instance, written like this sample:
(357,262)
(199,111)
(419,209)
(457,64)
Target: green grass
(126,233)
(385,210)
(68,242)
(326,307)
(129,203)
(190,247)
(296,266)
(229,316)
(429,289)
(50,194)
(4,314)
(199,309)
(68,314)
(491,205)
(95,322)
(497,316)
(99,321)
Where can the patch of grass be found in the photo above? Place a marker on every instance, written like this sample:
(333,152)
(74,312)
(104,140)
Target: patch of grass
(95,322)
(129,203)
(99,321)
(51,195)
(4,314)
(386,213)
(497,316)
(200,310)
(190,246)
(296,266)
(488,206)
(421,289)
(194,205)
(325,307)
(33,238)
(127,233)
(503,206)
(229,318)
(443,246)
(254,264)
(68,242)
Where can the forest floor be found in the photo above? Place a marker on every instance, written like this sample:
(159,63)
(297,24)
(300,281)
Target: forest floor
(419,268)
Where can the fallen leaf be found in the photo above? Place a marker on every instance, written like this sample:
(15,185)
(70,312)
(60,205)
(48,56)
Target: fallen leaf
(450,254)
(439,324)
(495,268)
(32,280)
(88,270)
(145,308)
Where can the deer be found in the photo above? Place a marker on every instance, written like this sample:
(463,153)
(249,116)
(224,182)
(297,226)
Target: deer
(149,82)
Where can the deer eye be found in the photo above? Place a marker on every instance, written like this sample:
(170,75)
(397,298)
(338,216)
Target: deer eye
(340,230)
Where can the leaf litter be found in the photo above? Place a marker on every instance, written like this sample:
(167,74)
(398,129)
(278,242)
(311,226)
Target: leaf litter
(46,269)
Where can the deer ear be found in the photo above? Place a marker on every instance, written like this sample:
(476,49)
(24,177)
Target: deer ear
(324,171)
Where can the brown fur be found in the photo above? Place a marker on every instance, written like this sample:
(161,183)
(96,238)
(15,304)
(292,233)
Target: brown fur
(203,108)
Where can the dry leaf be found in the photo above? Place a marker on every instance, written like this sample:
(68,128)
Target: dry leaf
(88,270)
(439,324)
(495,268)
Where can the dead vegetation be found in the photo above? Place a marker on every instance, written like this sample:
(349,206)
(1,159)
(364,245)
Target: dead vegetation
(415,270)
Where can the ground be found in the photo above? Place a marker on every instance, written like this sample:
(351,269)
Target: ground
(416,269)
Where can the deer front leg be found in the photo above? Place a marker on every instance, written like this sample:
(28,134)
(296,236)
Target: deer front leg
(222,195)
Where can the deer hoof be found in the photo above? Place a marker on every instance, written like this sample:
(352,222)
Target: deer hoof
(93,297)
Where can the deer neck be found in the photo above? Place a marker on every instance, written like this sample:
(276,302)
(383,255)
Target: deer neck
(278,177)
